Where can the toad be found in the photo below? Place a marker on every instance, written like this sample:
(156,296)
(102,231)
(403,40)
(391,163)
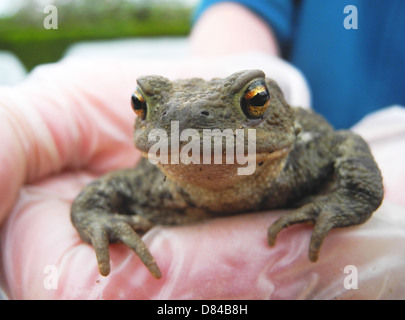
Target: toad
(297,160)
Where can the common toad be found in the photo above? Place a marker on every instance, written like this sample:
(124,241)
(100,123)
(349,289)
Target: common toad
(296,160)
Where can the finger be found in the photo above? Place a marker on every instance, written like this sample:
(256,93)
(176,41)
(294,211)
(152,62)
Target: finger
(303,214)
(100,243)
(129,237)
(321,229)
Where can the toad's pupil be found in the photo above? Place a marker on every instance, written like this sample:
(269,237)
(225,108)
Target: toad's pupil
(259,99)
(136,103)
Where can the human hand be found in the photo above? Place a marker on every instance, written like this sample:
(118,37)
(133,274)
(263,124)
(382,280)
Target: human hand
(71,122)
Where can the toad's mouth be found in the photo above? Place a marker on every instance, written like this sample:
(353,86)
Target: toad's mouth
(170,145)
(221,159)
(215,174)
(208,145)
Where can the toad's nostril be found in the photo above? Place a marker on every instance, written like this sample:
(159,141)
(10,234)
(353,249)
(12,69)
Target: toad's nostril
(205,113)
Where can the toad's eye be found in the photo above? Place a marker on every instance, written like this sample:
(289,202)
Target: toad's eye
(138,104)
(255,100)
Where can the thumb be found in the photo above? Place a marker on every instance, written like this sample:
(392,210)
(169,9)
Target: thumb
(63,116)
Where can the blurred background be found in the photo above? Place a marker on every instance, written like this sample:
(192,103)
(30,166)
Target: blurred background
(146,26)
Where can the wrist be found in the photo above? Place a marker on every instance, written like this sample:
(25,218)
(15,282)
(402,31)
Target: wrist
(229,28)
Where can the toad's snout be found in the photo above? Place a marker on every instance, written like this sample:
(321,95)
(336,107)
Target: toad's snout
(203,114)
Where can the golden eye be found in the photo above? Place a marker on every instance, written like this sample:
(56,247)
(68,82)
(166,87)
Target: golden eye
(255,100)
(138,104)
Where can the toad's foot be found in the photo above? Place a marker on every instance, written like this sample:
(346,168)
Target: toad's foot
(101,228)
(327,212)
(309,213)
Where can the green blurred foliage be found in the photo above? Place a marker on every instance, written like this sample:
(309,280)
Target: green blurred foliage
(82,20)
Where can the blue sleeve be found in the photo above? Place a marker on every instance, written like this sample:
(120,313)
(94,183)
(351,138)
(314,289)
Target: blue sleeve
(276,13)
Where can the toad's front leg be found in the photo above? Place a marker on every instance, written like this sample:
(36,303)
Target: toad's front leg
(357,193)
(102,214)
